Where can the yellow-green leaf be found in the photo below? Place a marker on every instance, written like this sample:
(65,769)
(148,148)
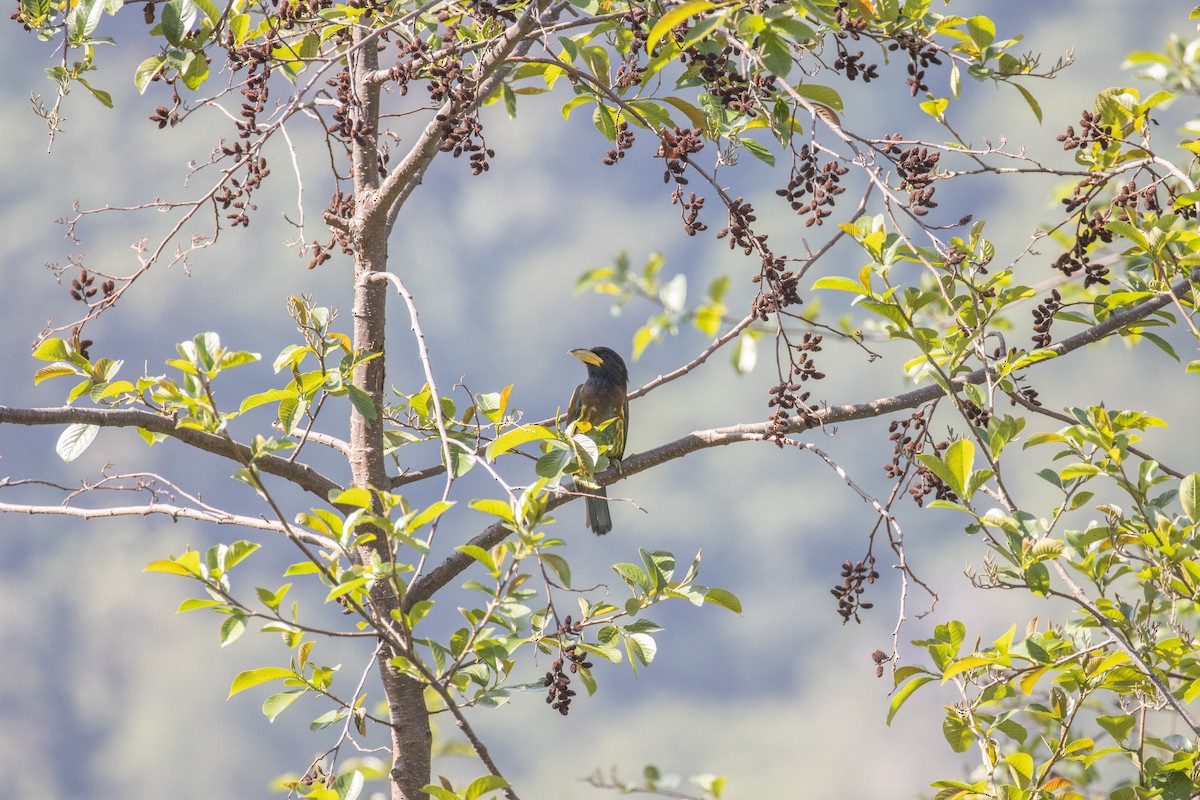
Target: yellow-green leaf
(254,677)
(674,17)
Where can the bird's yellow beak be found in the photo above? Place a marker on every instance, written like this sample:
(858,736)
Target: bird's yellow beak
(587,357)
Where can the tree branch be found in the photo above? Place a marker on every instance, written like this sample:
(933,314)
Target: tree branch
(174,512)
(401,181)
(301,475)
(424,587)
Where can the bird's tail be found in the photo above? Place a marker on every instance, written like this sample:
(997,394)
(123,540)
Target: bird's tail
(598,518)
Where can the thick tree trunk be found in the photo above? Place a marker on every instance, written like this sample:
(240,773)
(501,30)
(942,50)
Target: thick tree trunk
(411,734)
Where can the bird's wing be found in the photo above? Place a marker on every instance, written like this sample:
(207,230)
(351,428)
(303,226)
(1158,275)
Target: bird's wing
(618,449)
(573,407)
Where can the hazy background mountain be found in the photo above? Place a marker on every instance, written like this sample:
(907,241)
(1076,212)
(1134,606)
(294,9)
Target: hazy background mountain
(107,694)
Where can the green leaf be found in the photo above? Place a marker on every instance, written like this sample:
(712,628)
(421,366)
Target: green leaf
(552,464)
(59,370)
(172,24)
(345,588)
(824,95)
(1080,470)
(643,647)
(356,496)
(957,733)
(695,115)
(211,12)
(1119,727)
(254,677)
(574,103)
(1021,765)
(483,785)
(173,567)
(634,575)
(965,664)
(516,437)
(960,460)
(775,53)
(236,552)
(905,692)
(479,554)
(276,703)
(497,508)
(232,628)
(1189,497)
(269,396)
(758,150)
(83,19)
(559,565)
(605,121)
(74,440)
(52,350)
(982,31)
(935,108)
(362,402)
(941,469)
(1037,578)
(192,603)
(673,17)
(104,97)
(724,599)
(840,284)
(1030,99)
(431,513)
(461,459)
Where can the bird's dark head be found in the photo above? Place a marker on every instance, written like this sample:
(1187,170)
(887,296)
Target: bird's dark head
(603,364)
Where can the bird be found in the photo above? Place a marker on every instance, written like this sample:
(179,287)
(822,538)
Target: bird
(603,396)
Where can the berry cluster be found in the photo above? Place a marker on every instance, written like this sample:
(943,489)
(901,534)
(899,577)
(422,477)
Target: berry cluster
(164,116)
(1092,133)
(1131,198)
(558,683)
(691,206)
(1043,318)
(446,81)
(337,216)
(922,54)
(675,147)
(784,397)
(624,142)
(629,71)
(910,437)
(725,83)
(320,253)
(851,64)
(465,135)
(925,481)
(819,182)
(83,290)
(855,576)
(740,231)
(917,168)
(975,414)
(19,17)
(410,58)
(1088,230)
(343,126)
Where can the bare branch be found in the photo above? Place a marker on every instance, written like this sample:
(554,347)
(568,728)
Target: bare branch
(301,475)
(166,509)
